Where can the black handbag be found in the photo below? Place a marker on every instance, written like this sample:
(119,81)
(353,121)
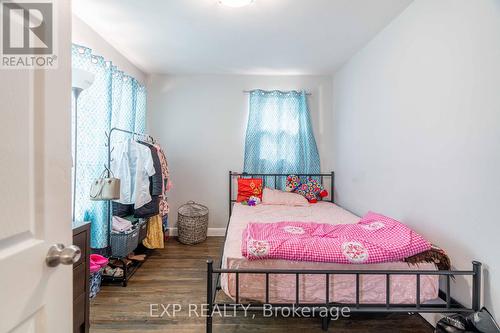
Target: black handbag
(481,321)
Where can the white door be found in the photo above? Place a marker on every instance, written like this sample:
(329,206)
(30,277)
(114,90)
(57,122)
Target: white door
(35,191)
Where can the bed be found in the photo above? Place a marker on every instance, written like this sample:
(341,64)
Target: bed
(342,287)
(382,287)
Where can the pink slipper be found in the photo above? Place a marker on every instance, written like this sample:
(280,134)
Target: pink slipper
(98,260)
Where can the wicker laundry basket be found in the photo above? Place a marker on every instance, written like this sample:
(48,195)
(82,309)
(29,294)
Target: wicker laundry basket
(192,223)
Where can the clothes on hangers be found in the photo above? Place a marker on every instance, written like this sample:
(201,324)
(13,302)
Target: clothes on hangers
(164,168)
(156,180)
(164,208)
(159,223)
(133,164)
(156,186)
(143,170)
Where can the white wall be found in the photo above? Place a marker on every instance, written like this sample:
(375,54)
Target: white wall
(417,130)
(201,122)
(83,35)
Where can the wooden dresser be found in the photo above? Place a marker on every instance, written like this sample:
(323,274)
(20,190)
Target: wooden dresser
(81,238)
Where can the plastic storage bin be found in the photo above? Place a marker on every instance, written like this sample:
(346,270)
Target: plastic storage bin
(123,243)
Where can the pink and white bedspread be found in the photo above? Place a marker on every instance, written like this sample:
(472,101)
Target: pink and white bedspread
(374,239)
(312,287)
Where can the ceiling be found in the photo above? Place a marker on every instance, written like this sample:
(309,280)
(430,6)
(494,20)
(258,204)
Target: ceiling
(268,37)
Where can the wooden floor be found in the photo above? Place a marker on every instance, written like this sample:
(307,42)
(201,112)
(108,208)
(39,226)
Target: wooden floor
(176,275)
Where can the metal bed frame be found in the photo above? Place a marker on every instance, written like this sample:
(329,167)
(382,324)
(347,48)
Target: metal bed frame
(447,304)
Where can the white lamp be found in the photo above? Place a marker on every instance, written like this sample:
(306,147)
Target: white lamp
(80,80)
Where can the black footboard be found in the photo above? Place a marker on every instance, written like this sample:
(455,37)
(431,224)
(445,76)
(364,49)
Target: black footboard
(448,304)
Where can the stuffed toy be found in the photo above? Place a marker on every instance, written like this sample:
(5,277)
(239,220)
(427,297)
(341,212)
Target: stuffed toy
(252,201)
(312,190)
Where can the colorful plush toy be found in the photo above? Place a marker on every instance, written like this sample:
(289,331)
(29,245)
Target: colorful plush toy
(252,201)
(312,190)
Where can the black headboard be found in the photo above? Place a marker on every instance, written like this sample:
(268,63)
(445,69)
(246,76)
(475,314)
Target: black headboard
(273,179)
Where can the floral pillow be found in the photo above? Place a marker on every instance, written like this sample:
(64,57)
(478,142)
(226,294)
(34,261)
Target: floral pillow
(249,187)
(311,189)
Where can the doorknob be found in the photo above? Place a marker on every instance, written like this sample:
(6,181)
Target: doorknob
(58,254)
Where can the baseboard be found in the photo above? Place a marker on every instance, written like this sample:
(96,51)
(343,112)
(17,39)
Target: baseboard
(212,232)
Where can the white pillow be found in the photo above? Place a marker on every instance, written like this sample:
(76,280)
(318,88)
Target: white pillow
(277,197)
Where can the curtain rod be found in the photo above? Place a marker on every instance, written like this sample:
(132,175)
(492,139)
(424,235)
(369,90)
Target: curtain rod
(249,91)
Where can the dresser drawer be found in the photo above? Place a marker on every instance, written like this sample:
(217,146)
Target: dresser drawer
(79,280)
(81,241)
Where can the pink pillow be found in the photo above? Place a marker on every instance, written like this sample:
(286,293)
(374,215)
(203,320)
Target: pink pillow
(277,197)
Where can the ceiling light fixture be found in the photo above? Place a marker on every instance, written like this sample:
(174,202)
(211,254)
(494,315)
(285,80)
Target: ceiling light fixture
(236,3)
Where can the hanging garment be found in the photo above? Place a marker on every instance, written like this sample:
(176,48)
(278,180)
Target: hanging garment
(156,180)
(164,168)
(154,238)
(164,209)
(150,209)
(133,164)
(122,210)
(165,223)
(156,187)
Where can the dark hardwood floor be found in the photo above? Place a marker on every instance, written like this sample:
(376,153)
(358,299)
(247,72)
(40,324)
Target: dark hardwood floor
(176,275)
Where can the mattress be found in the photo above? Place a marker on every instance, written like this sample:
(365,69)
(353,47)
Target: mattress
(312,288)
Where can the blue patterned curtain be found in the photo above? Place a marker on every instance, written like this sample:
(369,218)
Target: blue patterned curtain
(113,100)
(279,136)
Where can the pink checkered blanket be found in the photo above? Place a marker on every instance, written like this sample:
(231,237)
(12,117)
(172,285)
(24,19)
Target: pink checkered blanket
(374,239)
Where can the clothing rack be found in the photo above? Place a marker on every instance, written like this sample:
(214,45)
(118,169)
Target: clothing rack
(110,150)
(127,273)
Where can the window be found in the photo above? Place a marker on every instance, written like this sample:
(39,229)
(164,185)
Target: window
(113,100)
(279,136)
